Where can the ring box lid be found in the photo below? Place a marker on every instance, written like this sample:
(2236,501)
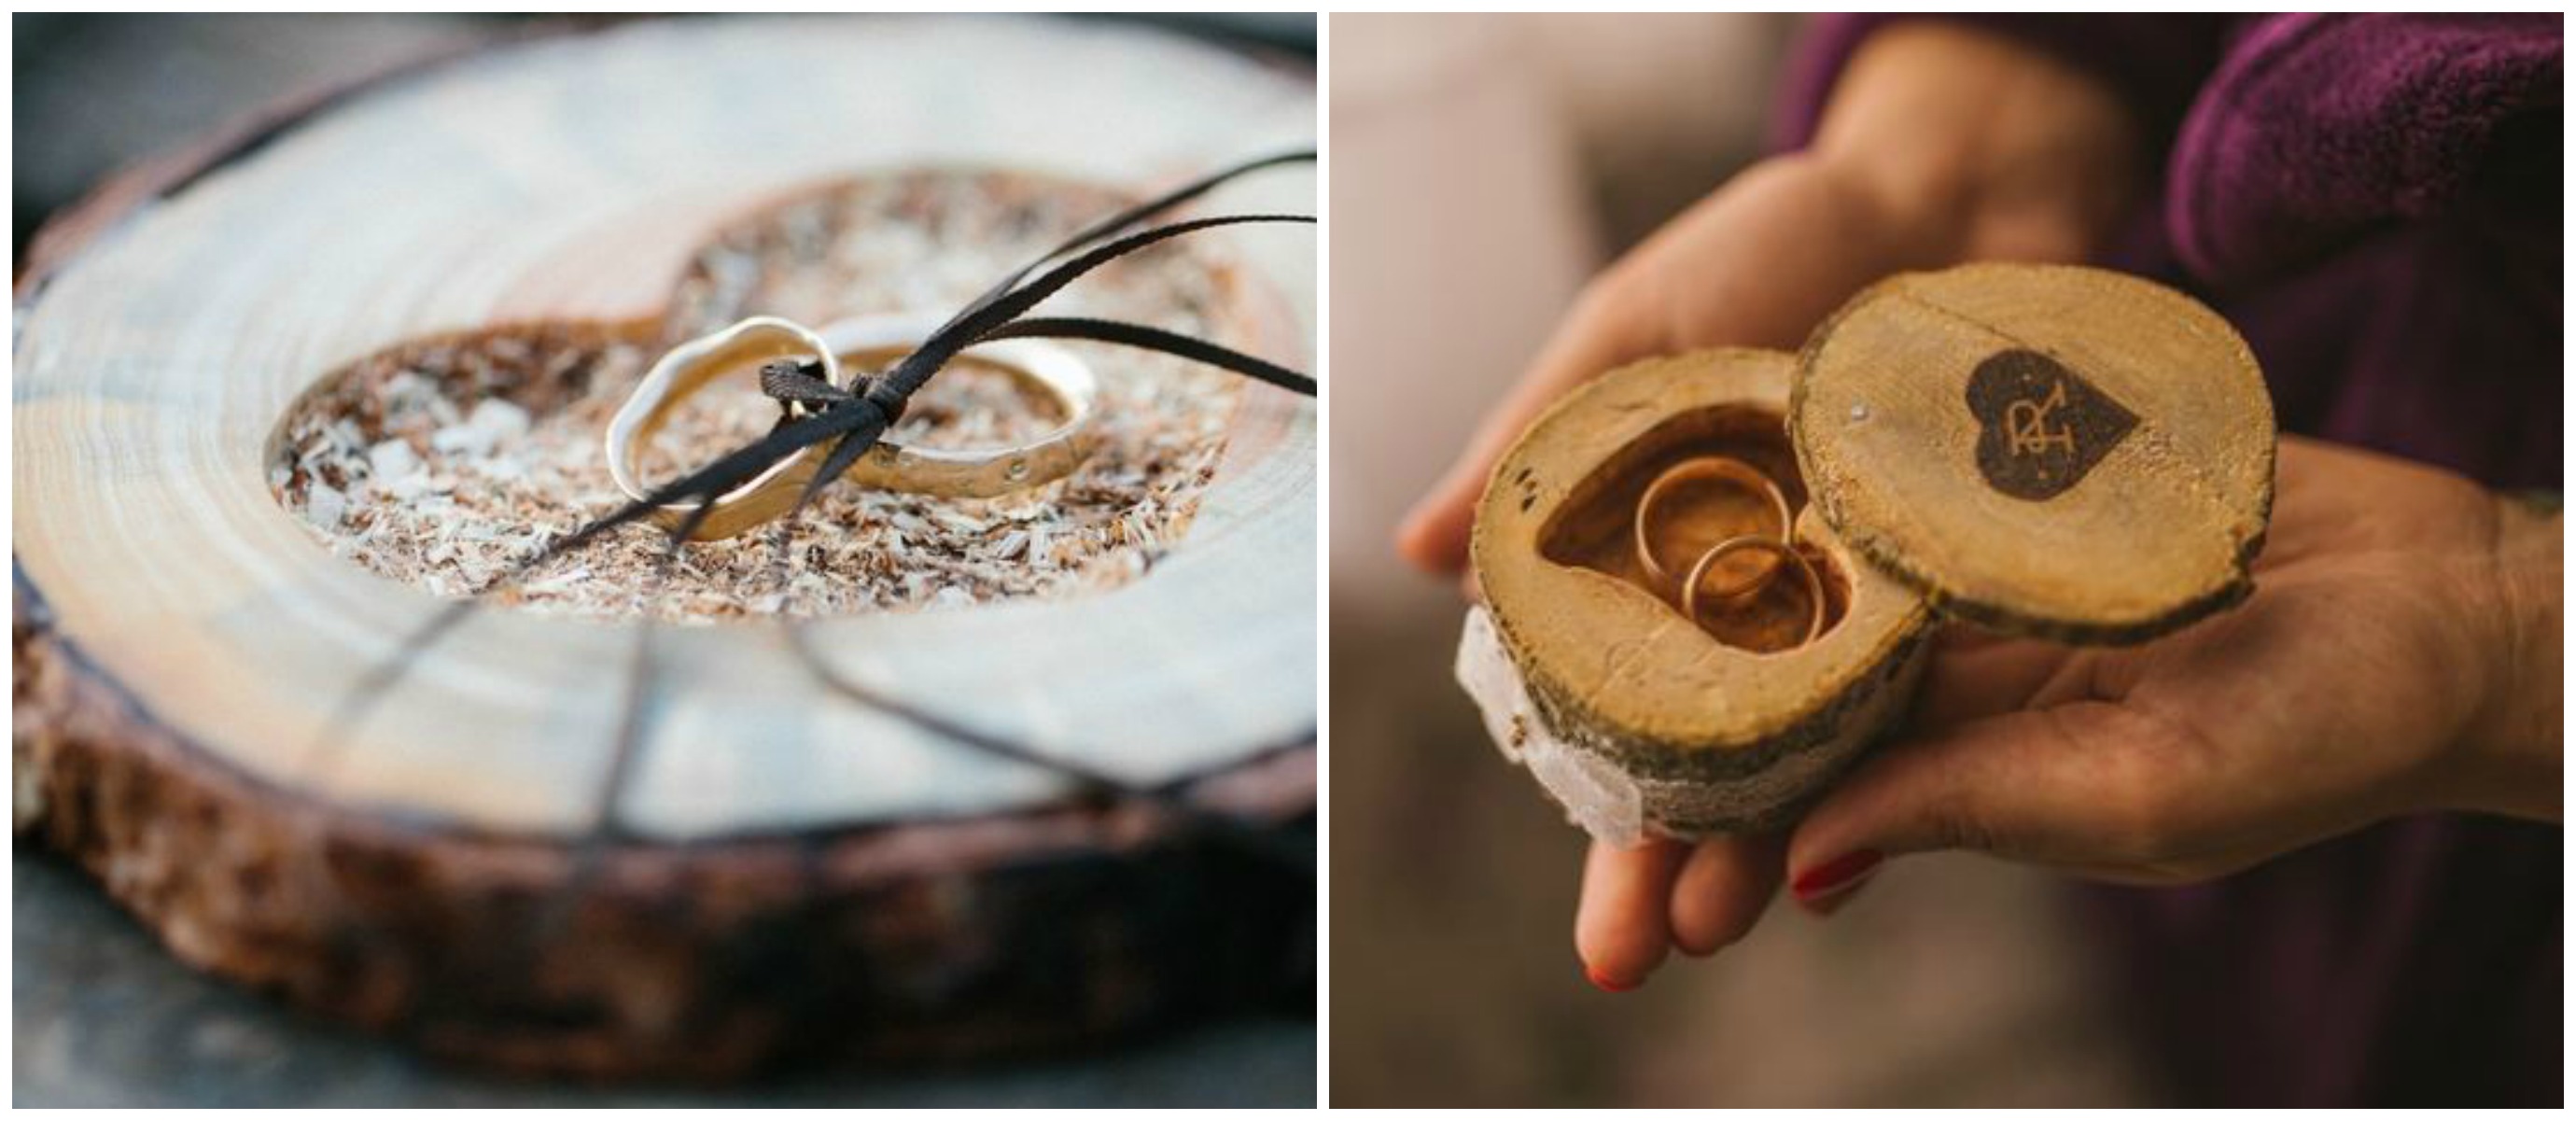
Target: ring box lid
(2045,450)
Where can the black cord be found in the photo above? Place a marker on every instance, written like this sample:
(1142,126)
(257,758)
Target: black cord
(858,421)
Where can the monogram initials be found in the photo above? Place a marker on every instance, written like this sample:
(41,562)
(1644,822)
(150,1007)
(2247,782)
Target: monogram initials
(2041,428)
(2027,422)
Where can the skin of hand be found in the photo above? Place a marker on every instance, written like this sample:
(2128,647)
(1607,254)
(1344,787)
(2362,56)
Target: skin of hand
(2401,653)
(1942,145)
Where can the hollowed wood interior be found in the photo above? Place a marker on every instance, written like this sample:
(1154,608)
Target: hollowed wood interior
(1594,527)
(444,460)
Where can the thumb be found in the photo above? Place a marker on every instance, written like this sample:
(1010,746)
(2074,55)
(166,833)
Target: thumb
(2077,784)
(1604,329)
(1433,536)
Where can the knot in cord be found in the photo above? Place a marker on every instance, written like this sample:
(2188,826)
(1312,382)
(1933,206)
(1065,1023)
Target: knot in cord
(792,383)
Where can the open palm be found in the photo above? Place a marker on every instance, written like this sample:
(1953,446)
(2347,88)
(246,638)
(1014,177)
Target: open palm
(2372,673)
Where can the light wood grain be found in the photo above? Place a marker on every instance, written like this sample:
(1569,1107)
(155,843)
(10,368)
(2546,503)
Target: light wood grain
(1719,736)
(2058,452)
(569,180)
(794,876)
(2158,533)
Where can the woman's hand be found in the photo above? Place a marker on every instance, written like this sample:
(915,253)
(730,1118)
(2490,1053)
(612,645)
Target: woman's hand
(1940,145)
(2400,654)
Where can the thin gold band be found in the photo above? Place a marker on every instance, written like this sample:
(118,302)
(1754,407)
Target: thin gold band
(744,347)
(1775,546)
(1727,468)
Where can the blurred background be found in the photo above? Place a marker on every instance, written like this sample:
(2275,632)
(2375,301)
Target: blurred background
(104,1015)
(84,108)
(1482,168)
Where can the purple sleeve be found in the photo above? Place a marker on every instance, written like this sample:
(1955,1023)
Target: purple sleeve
(2321,128)
(2154,62)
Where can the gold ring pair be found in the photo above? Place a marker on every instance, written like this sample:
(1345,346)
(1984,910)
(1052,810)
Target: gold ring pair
(1744,476)
(744,348)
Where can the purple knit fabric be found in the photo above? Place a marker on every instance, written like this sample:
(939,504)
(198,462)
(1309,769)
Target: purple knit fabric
(2375,202)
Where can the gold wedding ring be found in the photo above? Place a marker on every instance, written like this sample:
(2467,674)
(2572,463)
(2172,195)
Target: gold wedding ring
(1698,468)
(1695,591)
(1774,546)
(742,349)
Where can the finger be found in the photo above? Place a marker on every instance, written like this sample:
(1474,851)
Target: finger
(1974,675)
(1724,886)
(1596,335)
(1620,929)
(1828,888)
(1434,534)
(1963,638)
(2085,783)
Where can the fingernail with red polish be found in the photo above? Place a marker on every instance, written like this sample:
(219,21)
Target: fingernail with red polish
(1605,983)
(1836,876)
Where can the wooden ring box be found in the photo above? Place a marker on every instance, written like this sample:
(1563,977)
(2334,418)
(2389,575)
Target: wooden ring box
(2044,451)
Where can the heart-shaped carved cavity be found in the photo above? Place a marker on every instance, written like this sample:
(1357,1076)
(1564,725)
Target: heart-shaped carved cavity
(1726,725)
(1597,526)
(441,461)
(2041,428)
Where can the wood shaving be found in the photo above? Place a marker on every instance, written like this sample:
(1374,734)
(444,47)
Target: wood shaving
(444,462)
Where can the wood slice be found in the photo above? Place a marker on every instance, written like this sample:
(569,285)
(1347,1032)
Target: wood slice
(2056,451)
(1648,720)
(785,874)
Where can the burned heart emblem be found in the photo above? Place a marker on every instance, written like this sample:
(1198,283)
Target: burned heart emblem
(2041,428)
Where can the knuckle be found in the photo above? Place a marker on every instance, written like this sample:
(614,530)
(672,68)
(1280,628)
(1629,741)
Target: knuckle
(2149,800)
(1956,822)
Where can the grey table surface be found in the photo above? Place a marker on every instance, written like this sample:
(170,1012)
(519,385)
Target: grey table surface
(104,1017)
